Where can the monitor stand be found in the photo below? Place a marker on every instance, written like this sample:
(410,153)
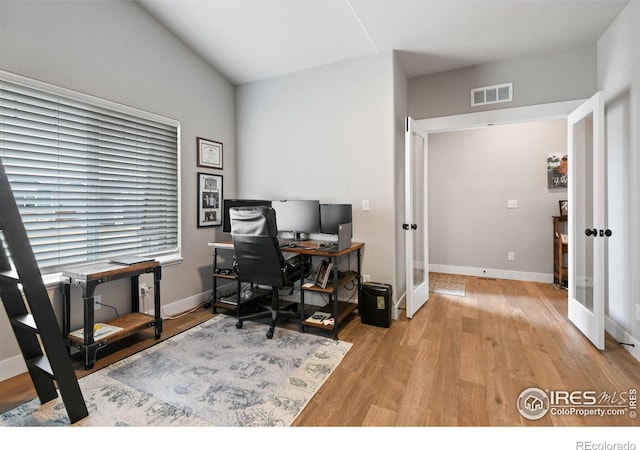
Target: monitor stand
(293,237)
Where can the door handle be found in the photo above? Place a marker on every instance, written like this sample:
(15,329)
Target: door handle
(405,226)
(594,232)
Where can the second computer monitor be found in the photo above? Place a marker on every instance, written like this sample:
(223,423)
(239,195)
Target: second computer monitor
(297,216)
(333,215)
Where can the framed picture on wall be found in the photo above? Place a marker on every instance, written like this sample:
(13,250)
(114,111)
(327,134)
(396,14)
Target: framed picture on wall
(209,153)
(564,208)
(209,200)
(557,170)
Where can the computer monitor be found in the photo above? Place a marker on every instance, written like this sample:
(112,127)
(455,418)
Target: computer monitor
(297,216)
(333,215)
(230,203)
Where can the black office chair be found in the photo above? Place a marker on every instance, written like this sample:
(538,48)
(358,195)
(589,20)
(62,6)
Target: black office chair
(259,260)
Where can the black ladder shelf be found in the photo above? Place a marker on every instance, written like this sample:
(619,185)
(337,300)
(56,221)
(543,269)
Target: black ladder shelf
(53,365)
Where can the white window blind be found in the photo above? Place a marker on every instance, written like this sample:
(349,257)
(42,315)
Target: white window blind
(92,179)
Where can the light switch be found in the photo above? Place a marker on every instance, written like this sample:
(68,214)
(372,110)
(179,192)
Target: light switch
(365,205)
(512,204)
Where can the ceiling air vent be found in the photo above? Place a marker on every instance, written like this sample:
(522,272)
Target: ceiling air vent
(492,94)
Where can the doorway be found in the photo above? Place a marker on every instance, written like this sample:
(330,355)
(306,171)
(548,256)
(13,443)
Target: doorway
(558,110)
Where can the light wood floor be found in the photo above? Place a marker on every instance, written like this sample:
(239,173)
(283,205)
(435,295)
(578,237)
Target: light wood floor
(460,361)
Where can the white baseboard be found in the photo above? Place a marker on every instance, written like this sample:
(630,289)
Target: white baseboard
(395,310)
(622,336)
(185,304)
(492,273)
(12,367)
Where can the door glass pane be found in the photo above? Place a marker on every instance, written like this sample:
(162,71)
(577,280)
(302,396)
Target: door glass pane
(419,275)
(583,220)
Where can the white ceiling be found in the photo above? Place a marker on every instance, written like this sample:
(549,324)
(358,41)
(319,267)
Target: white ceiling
(250,40)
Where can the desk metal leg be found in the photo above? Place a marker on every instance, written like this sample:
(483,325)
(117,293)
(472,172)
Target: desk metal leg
(301,305)
(336,325)
(214,296)
(359,281)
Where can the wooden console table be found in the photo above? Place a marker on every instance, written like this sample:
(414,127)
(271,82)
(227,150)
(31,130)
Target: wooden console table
(87,278)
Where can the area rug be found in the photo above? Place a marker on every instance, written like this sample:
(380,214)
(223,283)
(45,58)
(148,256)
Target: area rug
(444,283)
(211,375)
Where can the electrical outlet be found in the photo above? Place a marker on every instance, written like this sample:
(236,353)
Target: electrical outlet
(365,205)
(97,302)
(366,278)
(511,256)
(144,288)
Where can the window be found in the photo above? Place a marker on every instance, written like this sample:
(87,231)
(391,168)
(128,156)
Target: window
(92,179)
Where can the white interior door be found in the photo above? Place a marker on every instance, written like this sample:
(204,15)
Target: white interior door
(416,224)
(587,230)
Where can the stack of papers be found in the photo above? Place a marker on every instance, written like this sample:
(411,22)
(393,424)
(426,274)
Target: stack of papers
(100,330)
(319,317)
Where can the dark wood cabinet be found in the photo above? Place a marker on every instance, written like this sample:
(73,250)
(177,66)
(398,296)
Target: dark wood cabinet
(560,252)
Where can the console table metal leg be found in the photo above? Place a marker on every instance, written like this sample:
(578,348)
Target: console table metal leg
(90,346)
(157,308)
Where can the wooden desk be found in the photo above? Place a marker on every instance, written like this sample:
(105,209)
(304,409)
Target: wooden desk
(339,310)
(90,276)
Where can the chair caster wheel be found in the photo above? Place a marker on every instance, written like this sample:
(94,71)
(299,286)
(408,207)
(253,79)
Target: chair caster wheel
(239,324)
(270,333)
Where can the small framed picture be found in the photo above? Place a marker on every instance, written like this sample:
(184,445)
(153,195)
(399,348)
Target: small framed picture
(557,170)
(209,153)
(564,208)
(209,200)
(323,274)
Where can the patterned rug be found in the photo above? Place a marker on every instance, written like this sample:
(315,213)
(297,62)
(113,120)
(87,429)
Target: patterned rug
(444,283)
(211,375)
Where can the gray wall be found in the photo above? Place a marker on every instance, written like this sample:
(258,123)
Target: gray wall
(472,174)
(327,133)
(547,78)
(619,80)
(116,51)
(539,79)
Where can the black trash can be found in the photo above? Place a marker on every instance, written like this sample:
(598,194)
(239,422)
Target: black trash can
(375,304)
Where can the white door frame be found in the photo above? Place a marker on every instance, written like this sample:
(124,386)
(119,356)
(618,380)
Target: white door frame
(558,110)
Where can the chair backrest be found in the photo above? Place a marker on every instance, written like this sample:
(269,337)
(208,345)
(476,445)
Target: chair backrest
(254,233)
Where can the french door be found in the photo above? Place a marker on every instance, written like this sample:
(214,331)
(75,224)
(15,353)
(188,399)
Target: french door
(586,221)
(415,224)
